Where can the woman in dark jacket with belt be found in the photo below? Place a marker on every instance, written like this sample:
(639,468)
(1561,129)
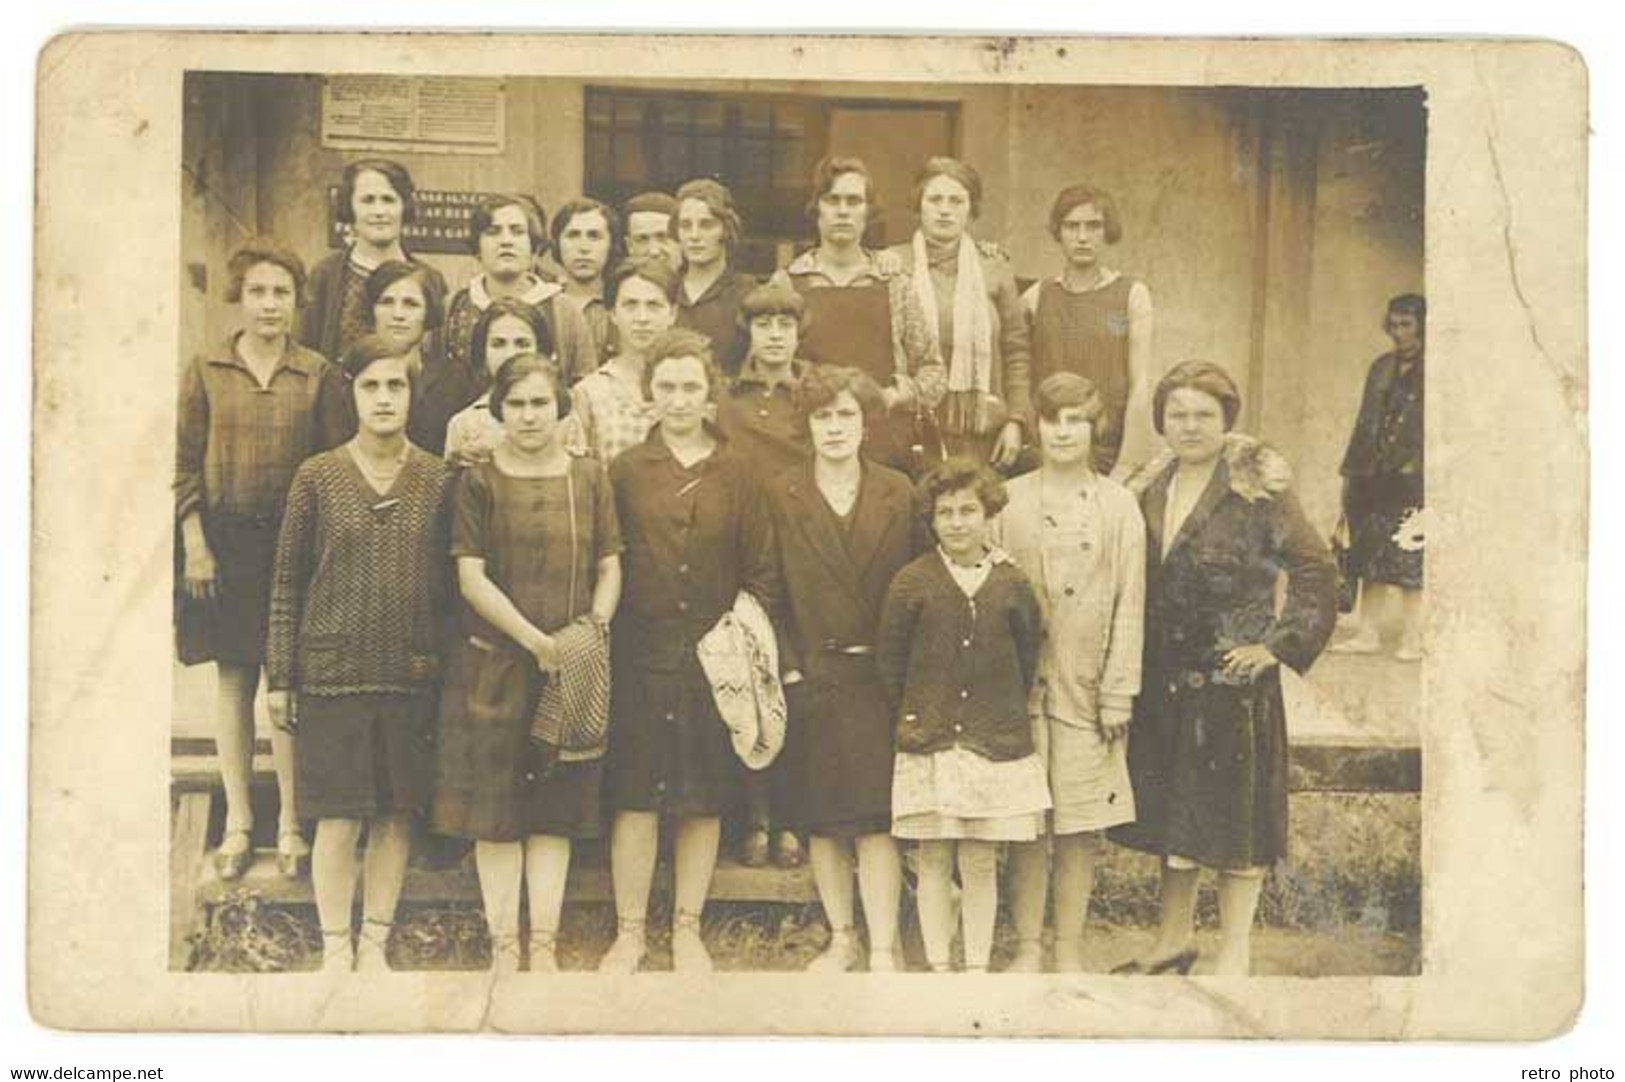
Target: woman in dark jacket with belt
(844,528)
(1208,744)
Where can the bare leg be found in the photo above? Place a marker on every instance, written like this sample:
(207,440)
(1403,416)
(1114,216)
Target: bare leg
(1029,883)
(1178,911)
(979,876)
(1074,881)
(935,901)
(1238,903)
(755,848)
(880,880)
(696,859)
(383,872)
(1367,637)
(832,871)
(501,866)
(634,845)
(547,867)
(332,874)
(234,741)
(1410,634)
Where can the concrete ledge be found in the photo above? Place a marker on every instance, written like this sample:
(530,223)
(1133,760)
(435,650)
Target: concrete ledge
(588,883)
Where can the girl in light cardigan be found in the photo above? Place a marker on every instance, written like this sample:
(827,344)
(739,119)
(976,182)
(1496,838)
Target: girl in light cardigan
(1081,539)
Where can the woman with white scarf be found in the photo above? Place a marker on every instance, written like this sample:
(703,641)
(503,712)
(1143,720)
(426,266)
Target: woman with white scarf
(973,308)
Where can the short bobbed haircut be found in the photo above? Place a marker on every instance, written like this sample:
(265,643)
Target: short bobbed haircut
(521,366)
(1070,199)
(485,212)
(264,250)
(720,202)
(774,297)
(652,269)
(831,169)
(1410,304)
(956,475)
(682,342)
(1203,376)
(391,271)
(530,314)
(367,351)
(824,383)
(394,172)
(966,176)
(1068,390)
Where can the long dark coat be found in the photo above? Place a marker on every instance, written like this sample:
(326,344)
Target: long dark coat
(1208,755)
(836,767)
(695,536)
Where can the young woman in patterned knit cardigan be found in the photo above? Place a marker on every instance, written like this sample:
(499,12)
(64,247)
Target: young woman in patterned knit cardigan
(352,655)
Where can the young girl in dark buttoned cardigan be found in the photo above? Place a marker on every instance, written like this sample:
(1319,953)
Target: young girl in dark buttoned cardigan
(958,650)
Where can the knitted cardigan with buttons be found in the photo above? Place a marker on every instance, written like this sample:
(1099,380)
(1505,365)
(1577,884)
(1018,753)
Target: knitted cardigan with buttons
(360,581)
(959,669)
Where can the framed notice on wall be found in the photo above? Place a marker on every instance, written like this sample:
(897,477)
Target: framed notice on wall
(428,114)
(440,226)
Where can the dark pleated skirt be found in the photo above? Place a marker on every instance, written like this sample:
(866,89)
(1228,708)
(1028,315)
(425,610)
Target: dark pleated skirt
(231,627)
(361,756)
(836,768)
(669,750)
(1376,507)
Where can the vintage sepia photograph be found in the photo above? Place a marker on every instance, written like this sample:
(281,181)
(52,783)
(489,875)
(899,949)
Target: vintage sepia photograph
(800,527)
(928,534)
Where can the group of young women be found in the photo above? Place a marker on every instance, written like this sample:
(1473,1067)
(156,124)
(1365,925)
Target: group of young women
(488,549)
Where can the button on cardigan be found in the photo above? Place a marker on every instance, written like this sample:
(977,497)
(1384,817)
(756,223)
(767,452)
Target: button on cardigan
(959,669)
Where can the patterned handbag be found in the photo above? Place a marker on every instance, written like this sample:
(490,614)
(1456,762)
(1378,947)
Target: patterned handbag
(572,712)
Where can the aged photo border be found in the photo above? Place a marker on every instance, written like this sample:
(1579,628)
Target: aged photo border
(1494,770)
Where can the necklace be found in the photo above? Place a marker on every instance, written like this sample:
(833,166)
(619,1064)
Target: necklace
(379,478)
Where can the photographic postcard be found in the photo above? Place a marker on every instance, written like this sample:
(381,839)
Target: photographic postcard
(1301,214)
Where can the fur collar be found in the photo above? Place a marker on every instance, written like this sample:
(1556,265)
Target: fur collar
(1257,470)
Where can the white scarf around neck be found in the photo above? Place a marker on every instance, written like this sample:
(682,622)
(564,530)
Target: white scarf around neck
(971,366)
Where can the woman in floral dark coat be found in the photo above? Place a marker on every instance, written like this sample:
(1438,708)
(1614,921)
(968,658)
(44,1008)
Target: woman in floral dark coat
(1208,744)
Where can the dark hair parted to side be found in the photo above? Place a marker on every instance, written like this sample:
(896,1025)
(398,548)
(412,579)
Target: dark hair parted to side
(367,351)
(682,342)
(588,205)
(824,383)
(391,271)
(720,202)
(1070,199)
(1203,376)
(657,272)
(828,171)
(517,368)
(966,176)
(1411,304)
(485,212)
(530,314)
(264,250)
(650,203)
(392,171)
(956,475)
